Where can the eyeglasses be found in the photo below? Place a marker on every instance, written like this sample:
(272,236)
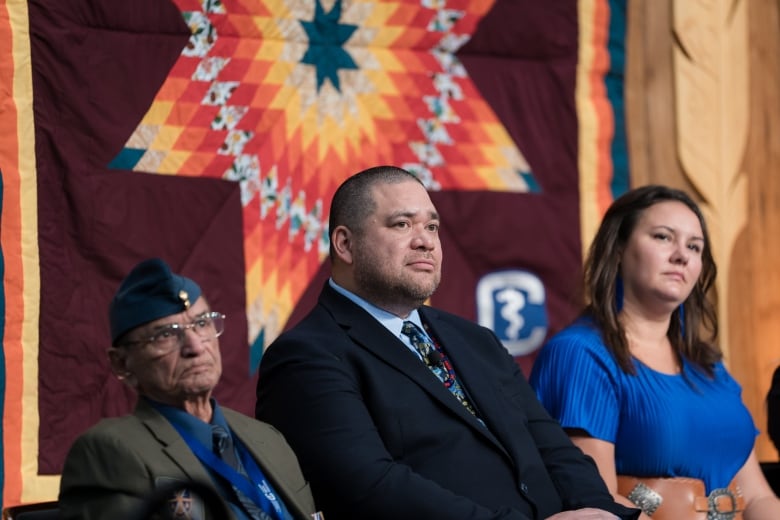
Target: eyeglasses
(168,338)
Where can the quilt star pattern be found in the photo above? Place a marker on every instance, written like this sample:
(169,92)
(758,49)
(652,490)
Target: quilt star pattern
(288,98)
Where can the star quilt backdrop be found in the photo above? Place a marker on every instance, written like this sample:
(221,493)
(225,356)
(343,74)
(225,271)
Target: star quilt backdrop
(213,134)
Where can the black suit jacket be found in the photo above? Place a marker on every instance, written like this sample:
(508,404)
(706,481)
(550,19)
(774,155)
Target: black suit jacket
(378,436)
(773,409)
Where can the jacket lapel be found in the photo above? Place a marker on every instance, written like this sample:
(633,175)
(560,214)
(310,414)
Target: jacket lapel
(255,444)
(172,445)
(180,454)
(374,337)
(371,335)
(464,357)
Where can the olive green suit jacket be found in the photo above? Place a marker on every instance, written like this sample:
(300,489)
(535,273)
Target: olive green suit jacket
(114,466)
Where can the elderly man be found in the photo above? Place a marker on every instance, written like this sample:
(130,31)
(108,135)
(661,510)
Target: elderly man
(165,346)
(404,411)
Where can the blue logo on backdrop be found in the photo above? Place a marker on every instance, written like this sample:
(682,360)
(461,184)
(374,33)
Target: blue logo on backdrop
(512,304)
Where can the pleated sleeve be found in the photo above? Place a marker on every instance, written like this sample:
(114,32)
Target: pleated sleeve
(576,379)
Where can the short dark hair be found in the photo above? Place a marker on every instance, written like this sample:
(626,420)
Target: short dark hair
(353,201)
(602,268)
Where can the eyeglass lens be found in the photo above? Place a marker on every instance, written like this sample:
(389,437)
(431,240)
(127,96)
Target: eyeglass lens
(208,326)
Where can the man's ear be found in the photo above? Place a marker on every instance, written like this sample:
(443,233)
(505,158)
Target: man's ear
(341,240)
(117,357)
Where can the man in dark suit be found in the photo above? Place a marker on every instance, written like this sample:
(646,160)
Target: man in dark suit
(397,410)
(165,345)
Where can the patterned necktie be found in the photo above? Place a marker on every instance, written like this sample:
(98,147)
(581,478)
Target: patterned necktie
(223,447)
(437,361)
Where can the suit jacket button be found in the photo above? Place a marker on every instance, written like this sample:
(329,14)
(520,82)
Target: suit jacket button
(523,488)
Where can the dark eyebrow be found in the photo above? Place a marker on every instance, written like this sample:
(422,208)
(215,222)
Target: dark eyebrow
(161,326)
(673,230)
(433,215)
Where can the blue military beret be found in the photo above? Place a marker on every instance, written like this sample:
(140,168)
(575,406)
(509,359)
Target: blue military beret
(150,292)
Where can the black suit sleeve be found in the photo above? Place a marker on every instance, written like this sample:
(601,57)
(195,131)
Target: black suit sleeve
(527,429)
(574,474)
(315,400)
(773,409)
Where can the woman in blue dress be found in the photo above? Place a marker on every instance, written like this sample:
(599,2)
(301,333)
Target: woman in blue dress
(638,381)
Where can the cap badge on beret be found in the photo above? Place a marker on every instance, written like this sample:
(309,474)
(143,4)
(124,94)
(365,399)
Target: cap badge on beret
(185,298)
(149,292)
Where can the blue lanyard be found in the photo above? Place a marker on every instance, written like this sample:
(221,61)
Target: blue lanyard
(256,487)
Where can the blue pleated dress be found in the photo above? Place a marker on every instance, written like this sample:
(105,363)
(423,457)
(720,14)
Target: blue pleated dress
(661,425)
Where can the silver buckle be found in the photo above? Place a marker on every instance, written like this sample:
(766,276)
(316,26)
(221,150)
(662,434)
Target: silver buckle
(646,499)
(713,512)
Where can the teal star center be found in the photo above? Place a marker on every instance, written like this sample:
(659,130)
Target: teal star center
(326,44)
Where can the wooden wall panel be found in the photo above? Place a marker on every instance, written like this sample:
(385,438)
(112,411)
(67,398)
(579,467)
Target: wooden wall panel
(649,96)
(756,338)
(754,275)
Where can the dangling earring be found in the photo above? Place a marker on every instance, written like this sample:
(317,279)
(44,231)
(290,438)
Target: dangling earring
(681,315)
(618,294)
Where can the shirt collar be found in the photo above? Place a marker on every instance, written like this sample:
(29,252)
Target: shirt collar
(194,426)
(390,321)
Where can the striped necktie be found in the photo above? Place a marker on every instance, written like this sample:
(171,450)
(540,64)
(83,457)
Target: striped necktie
(437,361)
(224,448)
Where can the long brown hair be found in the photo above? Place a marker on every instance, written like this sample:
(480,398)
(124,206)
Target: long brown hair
(693,327)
